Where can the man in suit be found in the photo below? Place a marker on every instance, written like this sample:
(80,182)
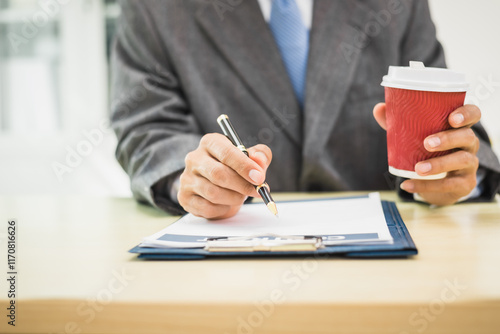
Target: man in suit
(178,65)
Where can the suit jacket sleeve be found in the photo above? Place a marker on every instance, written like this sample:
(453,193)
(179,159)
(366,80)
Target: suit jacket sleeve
(420,43)
(150,115)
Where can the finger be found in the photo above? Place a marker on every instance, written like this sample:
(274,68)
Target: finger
(462,161)
(191,202)
(463,138)
(222,176)
(231,212)
(458,185)
(218,195)
(222,149)
(467,115)
(379,112)
(261,154)
(200,207)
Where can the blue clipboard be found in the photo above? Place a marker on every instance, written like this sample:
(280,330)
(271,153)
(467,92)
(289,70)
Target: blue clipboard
(402,246)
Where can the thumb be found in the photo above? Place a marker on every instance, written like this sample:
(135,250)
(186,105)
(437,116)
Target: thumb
(261,154)
(379,114)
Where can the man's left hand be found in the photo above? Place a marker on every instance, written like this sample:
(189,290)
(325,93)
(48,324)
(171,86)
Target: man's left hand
(461,165)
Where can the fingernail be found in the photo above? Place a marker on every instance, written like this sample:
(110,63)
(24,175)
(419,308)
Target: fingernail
(407,186)
(424,167)
(255,176)
(458,118)
(433,142)
(262,157)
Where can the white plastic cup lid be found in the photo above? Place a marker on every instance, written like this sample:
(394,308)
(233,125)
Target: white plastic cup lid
(430,79)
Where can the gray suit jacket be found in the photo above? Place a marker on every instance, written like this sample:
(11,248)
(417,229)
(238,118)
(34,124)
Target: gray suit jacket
(179,64)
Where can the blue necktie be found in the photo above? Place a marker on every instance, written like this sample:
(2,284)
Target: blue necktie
(292,38)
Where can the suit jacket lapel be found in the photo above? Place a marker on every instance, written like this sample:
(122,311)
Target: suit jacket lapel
(336,34)
(245,40)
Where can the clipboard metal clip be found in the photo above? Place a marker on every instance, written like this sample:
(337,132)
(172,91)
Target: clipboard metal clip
(264,243)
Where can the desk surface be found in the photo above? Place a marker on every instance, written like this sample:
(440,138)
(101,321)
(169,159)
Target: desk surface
(76,276)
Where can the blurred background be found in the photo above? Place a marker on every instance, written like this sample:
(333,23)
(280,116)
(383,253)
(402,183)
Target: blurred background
(54,134)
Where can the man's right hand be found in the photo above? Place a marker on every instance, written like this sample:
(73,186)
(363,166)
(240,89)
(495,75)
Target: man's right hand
(218,177)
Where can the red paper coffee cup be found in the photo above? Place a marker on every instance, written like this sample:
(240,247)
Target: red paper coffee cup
(418,103)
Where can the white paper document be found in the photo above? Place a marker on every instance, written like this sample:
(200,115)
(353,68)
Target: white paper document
(336,221)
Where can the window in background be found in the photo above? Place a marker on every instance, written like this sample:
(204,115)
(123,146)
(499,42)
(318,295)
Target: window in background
(29,69)
(53,94)
(112,12)
(53,64)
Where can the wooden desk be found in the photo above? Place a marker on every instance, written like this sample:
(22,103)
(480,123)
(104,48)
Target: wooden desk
(76,276)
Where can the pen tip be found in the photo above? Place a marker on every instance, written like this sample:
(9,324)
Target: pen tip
(272,207)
